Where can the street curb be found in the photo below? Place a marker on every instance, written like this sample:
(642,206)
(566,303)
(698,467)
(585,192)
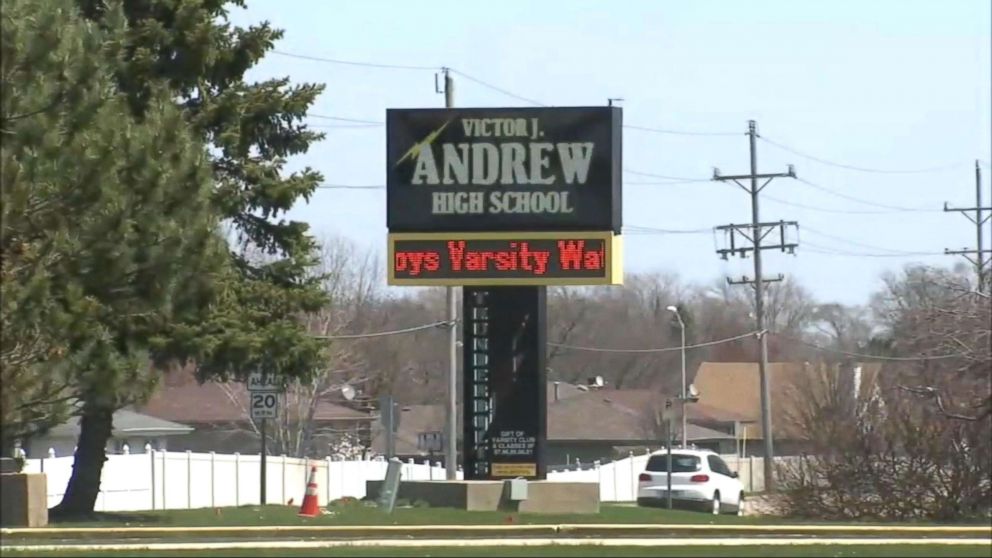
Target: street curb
(491,542)
(455,531)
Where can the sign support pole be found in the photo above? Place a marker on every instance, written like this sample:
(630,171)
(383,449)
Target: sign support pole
(451,450)
(261,480)
(668,466)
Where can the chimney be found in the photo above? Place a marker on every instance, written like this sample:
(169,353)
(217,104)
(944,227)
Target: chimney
(557,394)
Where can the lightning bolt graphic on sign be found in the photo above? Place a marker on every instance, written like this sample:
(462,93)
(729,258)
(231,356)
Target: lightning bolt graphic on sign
(414,151)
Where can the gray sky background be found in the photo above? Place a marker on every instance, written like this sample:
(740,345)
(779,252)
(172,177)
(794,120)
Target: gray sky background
(896,85)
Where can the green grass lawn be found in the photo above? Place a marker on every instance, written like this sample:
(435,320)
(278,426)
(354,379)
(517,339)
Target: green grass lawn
(566,551)
(357,514)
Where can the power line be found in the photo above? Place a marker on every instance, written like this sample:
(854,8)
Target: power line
(361,126)
(382,186)
(831,210)
(873,357)
(384,333)
(665,176)
(352,187)
(635,229)
(354,63)
(861,244)
(678,132)
(497,88)
(488,85)
(660,350)
(857,168)
(665,183)
(345,119)
(866,202)
(826,250)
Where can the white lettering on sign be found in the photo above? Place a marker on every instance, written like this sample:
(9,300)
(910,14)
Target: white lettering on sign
(513,443)
(483,164)
(499,127)
(473,203)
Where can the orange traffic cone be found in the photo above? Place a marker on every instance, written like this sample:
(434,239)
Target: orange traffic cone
(309,506)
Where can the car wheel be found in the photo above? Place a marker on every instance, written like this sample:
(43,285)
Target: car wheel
(740,504)
(716,503)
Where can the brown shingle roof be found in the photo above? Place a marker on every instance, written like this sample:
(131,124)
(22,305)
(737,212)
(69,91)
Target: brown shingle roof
(192,403)
(413,420)
(735,387)
(596,416)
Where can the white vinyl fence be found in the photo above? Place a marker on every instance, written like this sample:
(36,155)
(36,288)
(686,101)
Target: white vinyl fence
(618,480)
(182,480)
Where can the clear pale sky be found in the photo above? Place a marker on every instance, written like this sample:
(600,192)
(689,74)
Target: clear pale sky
(888,85)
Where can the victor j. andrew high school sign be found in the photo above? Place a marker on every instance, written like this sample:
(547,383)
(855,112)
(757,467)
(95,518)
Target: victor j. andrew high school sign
(504,169)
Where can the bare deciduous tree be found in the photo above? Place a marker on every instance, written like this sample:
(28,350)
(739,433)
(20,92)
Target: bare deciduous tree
(884,457)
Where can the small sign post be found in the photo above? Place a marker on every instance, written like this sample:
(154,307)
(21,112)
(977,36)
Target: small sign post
(263,391)
(391,486)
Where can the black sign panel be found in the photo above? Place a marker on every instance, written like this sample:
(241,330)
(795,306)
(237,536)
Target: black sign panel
(505,407)
(504,169)
(504,258)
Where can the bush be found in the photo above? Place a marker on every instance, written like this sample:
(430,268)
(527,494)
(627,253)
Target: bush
(897,461)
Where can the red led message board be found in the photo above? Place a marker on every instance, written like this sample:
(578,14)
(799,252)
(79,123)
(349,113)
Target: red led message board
(544,258)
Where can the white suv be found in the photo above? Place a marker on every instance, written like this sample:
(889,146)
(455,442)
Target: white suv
(699,479)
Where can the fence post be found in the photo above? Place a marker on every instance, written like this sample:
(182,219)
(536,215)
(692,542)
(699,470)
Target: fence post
(189,479)
(213,491)
(327,473)
(750,472)
(151,454)
(165,458)
(283,478)
(633,477)
(616,491)
(237,479)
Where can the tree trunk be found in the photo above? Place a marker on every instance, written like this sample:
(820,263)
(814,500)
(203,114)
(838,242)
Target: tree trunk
(96,424)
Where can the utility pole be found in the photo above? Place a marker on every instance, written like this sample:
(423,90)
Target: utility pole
(979,251)
(451,447)
(755,232)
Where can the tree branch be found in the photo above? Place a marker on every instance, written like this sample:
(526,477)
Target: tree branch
(934,393)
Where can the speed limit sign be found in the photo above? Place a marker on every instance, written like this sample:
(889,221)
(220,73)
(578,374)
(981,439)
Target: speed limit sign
(263,405)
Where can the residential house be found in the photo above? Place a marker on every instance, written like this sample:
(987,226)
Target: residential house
(132,431)
(585,423)
(414,420)
(219,414)
(734,387)
(604,424)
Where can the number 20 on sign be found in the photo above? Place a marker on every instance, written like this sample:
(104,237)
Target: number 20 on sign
(263,405)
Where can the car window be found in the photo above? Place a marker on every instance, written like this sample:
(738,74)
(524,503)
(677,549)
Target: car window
(681,463)
(718,466)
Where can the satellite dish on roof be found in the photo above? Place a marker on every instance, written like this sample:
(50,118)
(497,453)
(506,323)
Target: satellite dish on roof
(348,392)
